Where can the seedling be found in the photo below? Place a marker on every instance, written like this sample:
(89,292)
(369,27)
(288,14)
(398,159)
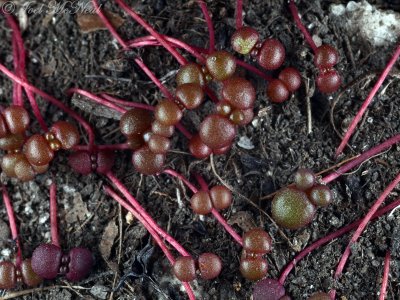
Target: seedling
(48,260)
(12,274)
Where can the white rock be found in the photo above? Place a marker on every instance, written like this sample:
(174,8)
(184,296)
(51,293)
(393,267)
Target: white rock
(245,143)
(379,27)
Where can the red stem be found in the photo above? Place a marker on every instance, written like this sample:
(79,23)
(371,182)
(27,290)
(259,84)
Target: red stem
(367,101)
(299,24)
(107,101)
(152,232)
(111,147)
(151,30)
(55,239)
(217,215)
(19,54)
(196,52)
(239,13)
(253,69)
(126,103)
(165,91)
(156,81)
(136,205)
(363,157)
(13,225)
(151,41)
(385,276)
(364,224)
(108,24)
(210,25)
(330,237)
(52,100)
(96,99)
(181,177)
(17,88)
(214,212)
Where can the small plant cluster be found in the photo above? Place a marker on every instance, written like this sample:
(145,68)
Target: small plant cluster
(270,55)
(294,207)
(208,266)
(87,162)
(48,261)
(150,138)
(256,243)
(27,157)
(219,197)
(328,79)
(11,275)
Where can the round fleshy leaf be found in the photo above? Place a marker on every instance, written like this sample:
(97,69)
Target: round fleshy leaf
(292,209)
(210,265)
(80,162)
(80,264)
(8,277)
(216,131)
(46,260)
(184,268)
(146,162)
(29,277)
(268,289)
(17,119)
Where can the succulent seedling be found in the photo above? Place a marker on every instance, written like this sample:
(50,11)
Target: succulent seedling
(48,260)
(12,274)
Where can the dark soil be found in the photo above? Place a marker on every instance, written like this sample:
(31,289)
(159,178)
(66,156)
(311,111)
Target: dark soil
(60,57)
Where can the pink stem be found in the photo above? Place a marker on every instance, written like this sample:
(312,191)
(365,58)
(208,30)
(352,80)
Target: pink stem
(108,24)
(52,100)
(196,52)
(20,65)
(126,103)
(214,212)
(111,147)
(217,215)
(165,91)
(363,157)
(210,26)
(239,14)
(367,101)
(96,99)
(20,71)
(181,177)
(153,78)
(17,88)
(330,237)
(55,239)
(153,233)
(303,29)
(13,225)
(254,70)
(145,215)
(385,278)
(363,224)
(107,101)
(151,30)
(227,227)
(151,41)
